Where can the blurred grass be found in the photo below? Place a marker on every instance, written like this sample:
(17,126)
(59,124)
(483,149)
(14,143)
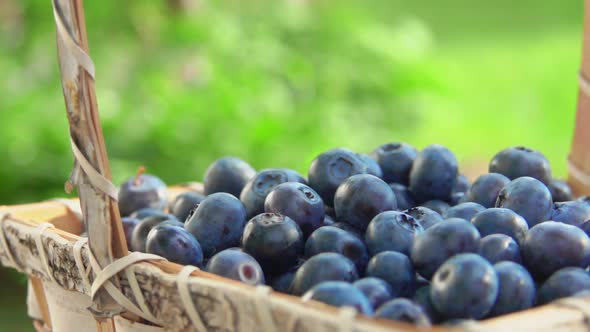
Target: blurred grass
(276,82)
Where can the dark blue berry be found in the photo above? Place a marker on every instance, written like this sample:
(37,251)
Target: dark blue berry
(436,205)
(529,198)
(235,264)
(142,191)
(461,184)
(403,196)
(175,244)
(499,247)
(327,266)
(563,283)
(425,216)
(550,246)
(373,167)
(517,289)
(433,174)
(521,161)
(571,212)
(129,225)
(464,211)
(395,160)
(274,240)
(465,286)
(227,175)
(361,197)
(340,294)
(333,239)
(141,231)
(147,212)
(396,269)
(298,202)
(501,221)
(486,188)
(560,191)
(422,298)
(330,169)
(282,282)
(259,186)
(217,223)
(392,230)
(376,290)
(440,242)
(185,204)
(403,310)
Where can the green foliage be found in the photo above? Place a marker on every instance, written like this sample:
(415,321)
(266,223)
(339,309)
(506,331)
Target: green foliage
(276,82)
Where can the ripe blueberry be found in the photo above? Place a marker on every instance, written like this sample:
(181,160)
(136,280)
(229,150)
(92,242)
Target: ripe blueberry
(396,269)
(142,191)
(560,191)
(425,216)
(339,294)
(175,244)
(392,230)
(486,188)
(235,264)
(228,175)
(141,231)
(185,204)
(521,161)
(395,160)
(571,212)
(528,197)
(129,225)
(376,290)
(373,167)
(501,221)
(433,174)
(499,247)
(333,239)
(403,310)
(517,289)
(403,196)
(563,283)
(327,266)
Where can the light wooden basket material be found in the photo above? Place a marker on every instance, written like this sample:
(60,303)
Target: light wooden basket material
(79,284)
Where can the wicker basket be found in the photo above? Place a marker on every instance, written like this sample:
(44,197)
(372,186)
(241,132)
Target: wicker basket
(79,284)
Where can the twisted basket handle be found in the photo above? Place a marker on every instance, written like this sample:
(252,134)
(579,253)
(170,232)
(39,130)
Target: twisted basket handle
(579,158)
(91,174)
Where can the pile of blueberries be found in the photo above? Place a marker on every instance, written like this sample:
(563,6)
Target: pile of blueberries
(398,234)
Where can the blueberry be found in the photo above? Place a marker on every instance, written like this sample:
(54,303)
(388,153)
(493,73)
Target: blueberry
(422,298)
(436,205)
(461,184)
(274,240)
(129,225)
(521,161)
(227,175)
(340,294)
(175,244)
(550,246)
(333,239)
(330,169)
(185,204)
(361,197)
(563,283)
(465,286)
(403,196)
(328,221)
(298,202)
(376,290)
(259,186)
(528,197)
(433,174)
(392,230)
(425,216)
(403,310)
(327,266)
(560,191)
(237,265)
(443,240)
(571,212)
(395,160)
(282,282)
(373,167)
(585,226)
(501,221)
(517,289)
(396,269)
(486,188)
(294,176)
(457,198)
(349,228)
(464,211)
(499,247)
(147,212)
(142,191)
(141,231)
(217,222)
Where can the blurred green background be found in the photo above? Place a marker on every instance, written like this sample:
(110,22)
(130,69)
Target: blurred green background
(181,83)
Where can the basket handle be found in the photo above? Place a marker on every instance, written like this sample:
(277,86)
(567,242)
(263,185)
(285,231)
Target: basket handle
(91,174)
(579,157)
